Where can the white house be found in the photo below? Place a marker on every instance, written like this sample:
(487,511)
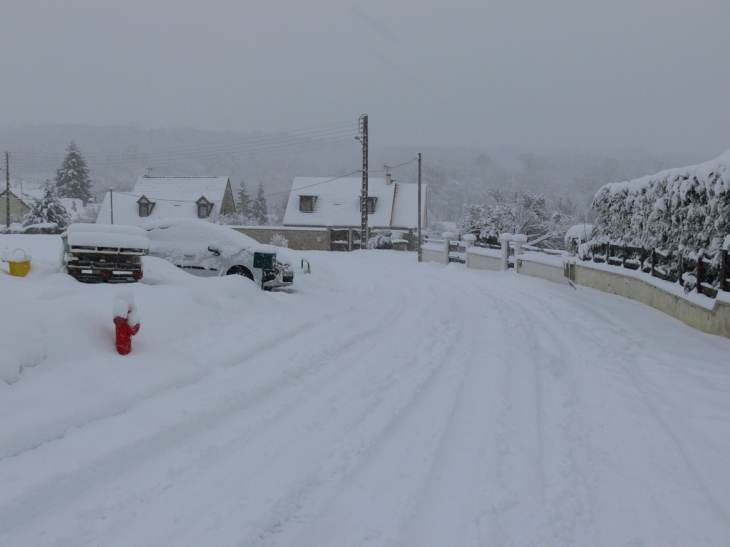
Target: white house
(323,202)
(168,197)
(18,206)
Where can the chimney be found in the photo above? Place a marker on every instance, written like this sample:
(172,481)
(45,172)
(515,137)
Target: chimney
(388,179)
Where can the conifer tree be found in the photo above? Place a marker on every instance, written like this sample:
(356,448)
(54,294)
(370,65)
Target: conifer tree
(244,201)
(48,209)
(258,209)
(72,178)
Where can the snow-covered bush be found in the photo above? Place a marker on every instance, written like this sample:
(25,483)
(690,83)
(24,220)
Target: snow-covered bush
(681,211)
(88,214)
(48,209)
(686,208)
(578,235)
(232,219)
(516,213)
(279,240)
(382,239)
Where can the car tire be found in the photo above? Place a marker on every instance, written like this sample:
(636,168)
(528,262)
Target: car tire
(240,270)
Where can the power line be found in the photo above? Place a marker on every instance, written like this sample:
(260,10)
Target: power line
(315,184)
(389,168)
(274,148)
(322,132)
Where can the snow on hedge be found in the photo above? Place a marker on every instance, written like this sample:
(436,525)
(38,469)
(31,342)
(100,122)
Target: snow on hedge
(685,208)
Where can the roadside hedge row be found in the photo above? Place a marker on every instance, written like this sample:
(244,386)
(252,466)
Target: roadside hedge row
(685,209)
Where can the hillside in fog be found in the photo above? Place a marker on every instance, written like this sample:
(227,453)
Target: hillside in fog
(117,155)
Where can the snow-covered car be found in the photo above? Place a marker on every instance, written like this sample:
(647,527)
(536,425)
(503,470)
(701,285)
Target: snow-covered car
(208,250)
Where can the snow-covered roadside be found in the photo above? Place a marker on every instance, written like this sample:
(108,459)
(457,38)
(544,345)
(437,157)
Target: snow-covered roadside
(384,402)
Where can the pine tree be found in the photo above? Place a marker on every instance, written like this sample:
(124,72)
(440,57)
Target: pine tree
(258,209)
(72,178)
(244,201)
(48,209)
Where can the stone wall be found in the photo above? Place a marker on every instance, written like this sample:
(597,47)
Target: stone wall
(713,321)
(300,239)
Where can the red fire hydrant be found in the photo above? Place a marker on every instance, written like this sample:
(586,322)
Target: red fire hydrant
(126,320)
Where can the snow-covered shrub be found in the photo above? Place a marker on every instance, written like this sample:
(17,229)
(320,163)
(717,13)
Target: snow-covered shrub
(689,206)
(382,239)
(88,214)
(279,240)
(683,210)
(516,213)
(578,235)
(232,219)
(48,209)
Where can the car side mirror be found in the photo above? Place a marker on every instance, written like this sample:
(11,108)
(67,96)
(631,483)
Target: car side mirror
(215,250)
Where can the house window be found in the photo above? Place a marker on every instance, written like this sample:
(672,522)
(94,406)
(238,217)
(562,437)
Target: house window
(306,203)
(145,206)
(204,207)
(370,204)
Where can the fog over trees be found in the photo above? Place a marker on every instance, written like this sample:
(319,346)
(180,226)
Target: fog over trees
(117,155)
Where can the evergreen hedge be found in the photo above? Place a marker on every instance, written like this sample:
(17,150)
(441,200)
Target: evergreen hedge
(684,210)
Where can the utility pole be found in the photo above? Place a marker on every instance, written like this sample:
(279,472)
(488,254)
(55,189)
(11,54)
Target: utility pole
(111,203)
(364,196)
(420,256)
(7,190)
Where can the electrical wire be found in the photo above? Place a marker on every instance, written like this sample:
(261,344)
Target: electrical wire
(247,143)
(389,168)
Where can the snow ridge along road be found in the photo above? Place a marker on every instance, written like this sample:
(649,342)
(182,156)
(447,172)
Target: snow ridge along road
(385,402)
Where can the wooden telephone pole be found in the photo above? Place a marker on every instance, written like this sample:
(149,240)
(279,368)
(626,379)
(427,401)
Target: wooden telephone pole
(420,253)
(364,196)
(7,190)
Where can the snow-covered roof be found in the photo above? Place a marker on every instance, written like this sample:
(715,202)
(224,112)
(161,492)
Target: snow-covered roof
(16,194)
(173,197)
(405,206)
(181,188)
(338,203)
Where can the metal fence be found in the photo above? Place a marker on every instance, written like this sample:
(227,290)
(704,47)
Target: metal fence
(705,274)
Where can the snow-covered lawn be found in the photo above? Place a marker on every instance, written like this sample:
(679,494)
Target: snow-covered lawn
(383,402)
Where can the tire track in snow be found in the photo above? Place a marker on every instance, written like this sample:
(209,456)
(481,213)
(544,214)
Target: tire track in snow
(385,464)
(302,492)
(362,444)
(611,355)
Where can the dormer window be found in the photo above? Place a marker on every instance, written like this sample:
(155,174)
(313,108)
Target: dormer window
(205,207)
(371,201)
(306,203)
(145,206)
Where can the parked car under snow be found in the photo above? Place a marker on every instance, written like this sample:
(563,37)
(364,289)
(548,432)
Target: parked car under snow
(208,250)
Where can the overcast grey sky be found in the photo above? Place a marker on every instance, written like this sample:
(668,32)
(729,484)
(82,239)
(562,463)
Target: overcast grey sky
(539,74)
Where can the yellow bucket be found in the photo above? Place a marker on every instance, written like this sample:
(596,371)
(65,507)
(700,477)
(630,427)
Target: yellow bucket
(18,264)
(19,268)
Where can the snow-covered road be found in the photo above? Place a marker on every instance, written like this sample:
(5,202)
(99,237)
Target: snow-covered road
(385,402)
